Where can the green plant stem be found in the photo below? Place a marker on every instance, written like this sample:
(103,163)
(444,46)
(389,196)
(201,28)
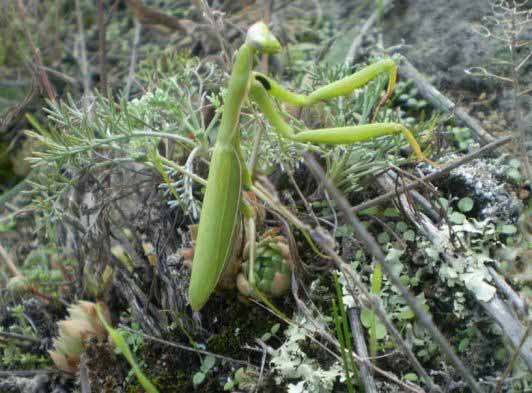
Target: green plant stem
(124,349)
(107,141)
(376,282)
(346,331)
(341,340)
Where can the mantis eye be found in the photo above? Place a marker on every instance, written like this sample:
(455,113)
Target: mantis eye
(260,37)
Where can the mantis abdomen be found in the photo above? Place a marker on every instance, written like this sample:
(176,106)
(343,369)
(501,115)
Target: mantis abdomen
(219,222)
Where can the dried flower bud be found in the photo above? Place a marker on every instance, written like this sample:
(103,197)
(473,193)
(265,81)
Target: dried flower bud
(74,333)
(18,285)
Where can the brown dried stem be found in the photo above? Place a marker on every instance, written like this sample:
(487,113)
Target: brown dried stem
(43,77)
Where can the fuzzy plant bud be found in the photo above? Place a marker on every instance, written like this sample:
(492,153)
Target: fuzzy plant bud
(82,325)
(272,267)
(18,285)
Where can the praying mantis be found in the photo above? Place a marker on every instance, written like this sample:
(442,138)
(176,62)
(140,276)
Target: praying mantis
(224,205)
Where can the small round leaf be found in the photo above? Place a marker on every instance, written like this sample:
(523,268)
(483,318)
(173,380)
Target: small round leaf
(457,218)
(409,235)
(508,229)
(208,363)
(198,378)
(465,204)
(383,237)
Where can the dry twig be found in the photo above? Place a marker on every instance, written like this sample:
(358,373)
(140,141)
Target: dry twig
(434,176)
(9,262)
(43,77)
(362,350)
(440,101)
(84,64)
(152,17)
(102,43)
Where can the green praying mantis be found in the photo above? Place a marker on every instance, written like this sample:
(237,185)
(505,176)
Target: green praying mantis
(224,205)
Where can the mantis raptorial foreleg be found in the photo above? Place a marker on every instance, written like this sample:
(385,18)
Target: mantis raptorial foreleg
(342,87)
(262,87)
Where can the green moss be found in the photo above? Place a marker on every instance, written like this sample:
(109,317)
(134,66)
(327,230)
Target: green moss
(225,341)
(239,324)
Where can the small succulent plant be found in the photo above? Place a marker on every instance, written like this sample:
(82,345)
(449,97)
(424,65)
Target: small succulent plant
(82,325)
(272,267)
(18,285)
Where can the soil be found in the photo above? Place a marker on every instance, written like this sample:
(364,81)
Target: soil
(441,38)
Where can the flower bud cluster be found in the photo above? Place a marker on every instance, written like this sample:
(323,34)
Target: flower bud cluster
(82,325)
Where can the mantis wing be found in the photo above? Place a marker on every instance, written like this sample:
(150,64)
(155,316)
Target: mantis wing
(219,223)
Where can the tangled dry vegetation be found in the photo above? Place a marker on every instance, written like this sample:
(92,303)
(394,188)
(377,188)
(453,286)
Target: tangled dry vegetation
(383,274)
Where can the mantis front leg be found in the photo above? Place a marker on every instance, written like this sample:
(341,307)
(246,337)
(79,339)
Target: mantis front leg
(263,87)
(339,88)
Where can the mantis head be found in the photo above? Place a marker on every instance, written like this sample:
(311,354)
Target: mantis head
(260,37)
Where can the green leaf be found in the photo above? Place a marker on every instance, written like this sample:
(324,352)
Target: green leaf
(432,253)
(121,344)
(344,230)
(514,174)
(412,377)
(366,317)
(209,361)
(240,374)
(275,328)
(476,284)
(457,218)
(465,204)
(409,235)
(229,385)
(514,163)
(464,145)
(391,212)
(198,378)
(383,238)
(406,313)
(380,330)
(371,211)
(394,256)
(401,226)
(463,344)
(501,354)
(266,336)
(508,229)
